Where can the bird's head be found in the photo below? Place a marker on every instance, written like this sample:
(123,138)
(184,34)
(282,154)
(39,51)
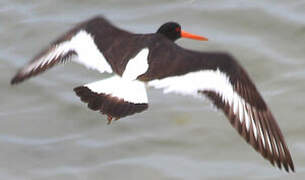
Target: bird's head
(172,31)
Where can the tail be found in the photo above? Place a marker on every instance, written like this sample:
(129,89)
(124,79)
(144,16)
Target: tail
(115,96)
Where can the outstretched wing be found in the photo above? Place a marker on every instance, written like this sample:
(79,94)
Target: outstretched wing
(85,44)
(223,80)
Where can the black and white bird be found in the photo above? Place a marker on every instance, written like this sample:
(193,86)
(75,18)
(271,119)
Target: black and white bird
(140,60)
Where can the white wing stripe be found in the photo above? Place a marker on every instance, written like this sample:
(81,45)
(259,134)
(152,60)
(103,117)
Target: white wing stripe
(241,111)
(46,59)
(88,53)
(268,141)
(276,149)
(250,113)
(210,80)
(281,145)
(247,118)
(262,135)
(83,44)
(235,103)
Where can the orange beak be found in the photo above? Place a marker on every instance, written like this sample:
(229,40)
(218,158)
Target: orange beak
(192,36)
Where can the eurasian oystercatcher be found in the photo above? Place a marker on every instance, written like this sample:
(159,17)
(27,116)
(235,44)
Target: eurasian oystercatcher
(155,60)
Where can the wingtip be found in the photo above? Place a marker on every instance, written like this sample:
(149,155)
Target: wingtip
(291,167)
(18,78)
(15,80)
(288,166)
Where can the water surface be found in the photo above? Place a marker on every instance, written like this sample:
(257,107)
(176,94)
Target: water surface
(47,133)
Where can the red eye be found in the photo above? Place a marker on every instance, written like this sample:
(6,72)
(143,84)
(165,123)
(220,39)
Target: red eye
(177,29)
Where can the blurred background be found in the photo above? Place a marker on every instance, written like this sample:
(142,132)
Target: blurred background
(47,133)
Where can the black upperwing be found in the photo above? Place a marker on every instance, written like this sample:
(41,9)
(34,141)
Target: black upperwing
(220,77)
(95,43)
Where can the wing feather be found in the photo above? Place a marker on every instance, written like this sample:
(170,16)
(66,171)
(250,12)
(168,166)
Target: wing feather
(233,92)
(77,44)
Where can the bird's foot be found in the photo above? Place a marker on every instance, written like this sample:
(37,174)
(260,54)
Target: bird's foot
(109,118)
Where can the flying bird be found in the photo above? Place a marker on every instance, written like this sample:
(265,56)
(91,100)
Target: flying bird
(154,60)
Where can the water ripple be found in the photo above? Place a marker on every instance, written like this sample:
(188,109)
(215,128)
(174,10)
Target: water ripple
(36,141)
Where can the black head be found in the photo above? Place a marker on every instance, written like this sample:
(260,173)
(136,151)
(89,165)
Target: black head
(172,31)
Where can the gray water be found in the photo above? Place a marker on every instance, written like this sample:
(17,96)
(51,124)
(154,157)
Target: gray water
(47,133)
